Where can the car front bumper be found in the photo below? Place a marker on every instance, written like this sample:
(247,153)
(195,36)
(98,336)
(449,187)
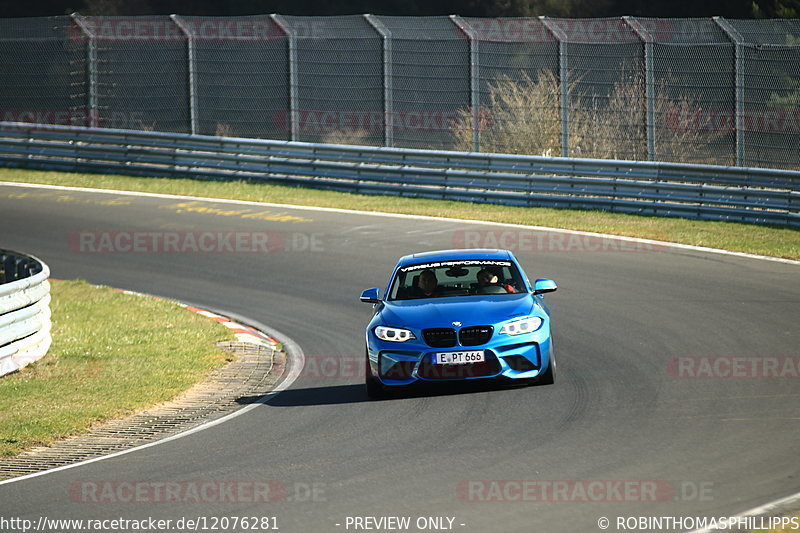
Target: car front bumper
(522,357)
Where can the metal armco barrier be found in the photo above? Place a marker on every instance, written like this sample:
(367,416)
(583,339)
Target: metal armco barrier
(765,196)
(24,310)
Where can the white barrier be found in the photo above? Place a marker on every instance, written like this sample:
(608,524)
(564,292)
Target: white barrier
(24,310)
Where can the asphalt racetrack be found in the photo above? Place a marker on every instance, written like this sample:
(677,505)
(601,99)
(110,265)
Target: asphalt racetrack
(675,394)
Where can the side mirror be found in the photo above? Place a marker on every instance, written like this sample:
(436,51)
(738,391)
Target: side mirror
(543,286)
(370,296)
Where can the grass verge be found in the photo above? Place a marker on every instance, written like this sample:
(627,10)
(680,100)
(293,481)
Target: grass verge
(756,239)
(113,354)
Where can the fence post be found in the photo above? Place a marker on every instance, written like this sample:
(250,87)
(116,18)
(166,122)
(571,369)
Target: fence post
(294,116)
(91,65)
(388,96)
(563,68)
(190,53)
(474,79)
(737,41)
(647,39)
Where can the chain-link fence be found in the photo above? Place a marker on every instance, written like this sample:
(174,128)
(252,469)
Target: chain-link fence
(690,90)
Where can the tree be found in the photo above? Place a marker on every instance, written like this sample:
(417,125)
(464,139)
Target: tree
(768,9)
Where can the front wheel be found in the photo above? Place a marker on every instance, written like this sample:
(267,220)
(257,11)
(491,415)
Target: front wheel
(374,388)
(549,377)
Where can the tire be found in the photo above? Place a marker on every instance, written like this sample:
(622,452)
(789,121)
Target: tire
(549,377)
(374,388)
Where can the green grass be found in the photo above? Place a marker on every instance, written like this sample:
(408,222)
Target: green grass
(113,354)
(757,239)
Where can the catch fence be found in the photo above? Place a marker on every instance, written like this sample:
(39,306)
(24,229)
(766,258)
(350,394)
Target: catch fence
(705,90)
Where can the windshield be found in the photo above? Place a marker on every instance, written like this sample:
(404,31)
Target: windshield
(456,278)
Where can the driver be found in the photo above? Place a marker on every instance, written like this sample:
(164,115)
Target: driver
(427,285)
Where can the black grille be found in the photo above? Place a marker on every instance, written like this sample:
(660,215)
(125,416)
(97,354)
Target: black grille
(475,335)
(440,337)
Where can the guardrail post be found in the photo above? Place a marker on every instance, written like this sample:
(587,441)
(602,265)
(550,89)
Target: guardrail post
(294,116)
(91,67)
(192,79)
(734,36)
(474,79)
(563,69)
(388,96)
(647,39)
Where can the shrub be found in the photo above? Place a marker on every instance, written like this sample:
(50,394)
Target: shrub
(523,116)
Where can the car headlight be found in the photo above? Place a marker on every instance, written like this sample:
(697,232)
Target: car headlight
(386,333)
(525,325)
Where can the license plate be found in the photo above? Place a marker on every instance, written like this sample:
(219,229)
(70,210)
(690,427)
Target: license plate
(458,358)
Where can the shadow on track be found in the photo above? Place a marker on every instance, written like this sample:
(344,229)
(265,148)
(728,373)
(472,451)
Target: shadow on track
(355,393)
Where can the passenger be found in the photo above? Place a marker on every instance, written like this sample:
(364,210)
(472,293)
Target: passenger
(427,285)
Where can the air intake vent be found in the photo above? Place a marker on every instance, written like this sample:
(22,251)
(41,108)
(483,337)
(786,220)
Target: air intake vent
(519,363)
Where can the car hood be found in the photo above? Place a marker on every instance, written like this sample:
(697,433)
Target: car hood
(469,310)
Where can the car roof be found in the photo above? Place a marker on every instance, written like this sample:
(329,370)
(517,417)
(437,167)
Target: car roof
(452,255)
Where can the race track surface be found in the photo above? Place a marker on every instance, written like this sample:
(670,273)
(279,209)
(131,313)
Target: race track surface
(622,409)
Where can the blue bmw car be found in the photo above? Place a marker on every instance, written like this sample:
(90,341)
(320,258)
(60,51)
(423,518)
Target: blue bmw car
(458,315)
